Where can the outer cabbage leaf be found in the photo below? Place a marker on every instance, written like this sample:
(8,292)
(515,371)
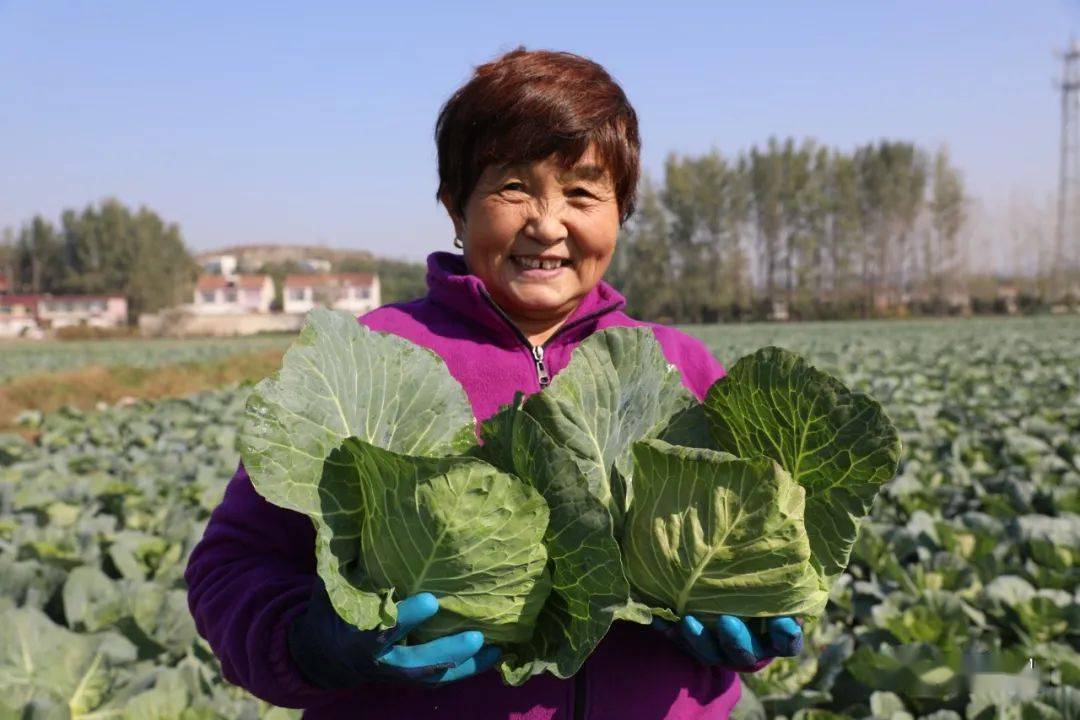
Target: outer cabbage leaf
(572,442)
(151,615)
(711,534)
(44,664)
(452,526)
(915,670)
(617,389)
(339,379)
(838,444)
(588,584)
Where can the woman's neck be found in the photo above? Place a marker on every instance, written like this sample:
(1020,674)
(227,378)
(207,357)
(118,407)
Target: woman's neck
(537,332)
(537,329)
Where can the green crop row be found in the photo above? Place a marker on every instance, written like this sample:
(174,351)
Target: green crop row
(960,600)
(22,357)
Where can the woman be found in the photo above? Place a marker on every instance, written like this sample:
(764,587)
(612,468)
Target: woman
(538,164)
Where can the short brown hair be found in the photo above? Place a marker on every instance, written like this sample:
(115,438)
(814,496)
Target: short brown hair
(528,105)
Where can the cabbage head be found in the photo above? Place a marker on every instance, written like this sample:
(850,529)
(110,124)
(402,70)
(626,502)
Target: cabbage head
(366,433)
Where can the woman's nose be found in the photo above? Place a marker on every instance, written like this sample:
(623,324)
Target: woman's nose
(545,224)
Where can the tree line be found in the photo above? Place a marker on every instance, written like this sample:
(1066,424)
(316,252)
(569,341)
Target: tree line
(788,226)
(110,249)
(106,249)
(815,230)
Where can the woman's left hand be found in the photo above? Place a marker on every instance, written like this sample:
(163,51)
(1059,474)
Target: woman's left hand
(731,643)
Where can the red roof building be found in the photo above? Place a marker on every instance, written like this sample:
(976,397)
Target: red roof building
(236,294)
(357,293)
(20,313)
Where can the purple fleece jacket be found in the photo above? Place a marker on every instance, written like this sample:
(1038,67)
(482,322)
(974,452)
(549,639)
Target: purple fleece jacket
(252,571)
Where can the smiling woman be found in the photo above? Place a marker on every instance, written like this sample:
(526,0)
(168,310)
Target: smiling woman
(548,173)
(538,164)
(540,239)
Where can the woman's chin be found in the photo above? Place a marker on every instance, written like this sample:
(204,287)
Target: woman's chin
(537,301)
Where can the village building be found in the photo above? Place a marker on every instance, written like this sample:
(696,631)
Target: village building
(220,265)
(18,315)
(1008,297)
(233,294)
(22,315)
(357,293)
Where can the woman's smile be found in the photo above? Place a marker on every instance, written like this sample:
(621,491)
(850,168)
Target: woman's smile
(540,268)
(540,235)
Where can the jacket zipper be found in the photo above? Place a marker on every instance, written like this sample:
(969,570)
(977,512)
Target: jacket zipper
(542,377)
(537,351)
(541,369)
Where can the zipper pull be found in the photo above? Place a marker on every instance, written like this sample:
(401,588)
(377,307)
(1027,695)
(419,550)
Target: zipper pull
(541,369)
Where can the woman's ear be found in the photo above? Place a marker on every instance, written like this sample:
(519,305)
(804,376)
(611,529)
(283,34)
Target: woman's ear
(459,224)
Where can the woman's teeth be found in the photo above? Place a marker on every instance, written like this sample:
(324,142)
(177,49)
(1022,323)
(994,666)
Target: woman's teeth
(538,264)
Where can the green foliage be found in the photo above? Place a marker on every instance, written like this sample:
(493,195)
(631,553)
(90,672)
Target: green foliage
(22,358)
(572,442)
(963,579)
(455,527)
(711,534)
(364,432)
(43,665)
(97,518)
(989,414)
(339,380)
(830,233)
(837,444)
(106,249)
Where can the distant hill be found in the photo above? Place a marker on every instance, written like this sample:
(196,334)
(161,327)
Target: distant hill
(252,257)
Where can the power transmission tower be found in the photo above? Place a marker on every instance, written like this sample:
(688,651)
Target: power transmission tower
(1066,251)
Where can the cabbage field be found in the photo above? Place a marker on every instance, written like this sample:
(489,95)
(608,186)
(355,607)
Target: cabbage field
(22,357)
(961,599)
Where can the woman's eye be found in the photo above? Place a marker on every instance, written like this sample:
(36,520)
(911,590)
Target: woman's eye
(580,192)
(513,186)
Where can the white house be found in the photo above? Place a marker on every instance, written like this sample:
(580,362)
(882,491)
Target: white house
(94,310)
(220,265)
(357,293)
(237,294)
(26,314)
(18,315)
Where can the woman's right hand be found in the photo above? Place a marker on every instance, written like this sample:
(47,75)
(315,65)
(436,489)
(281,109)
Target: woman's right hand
(332,654)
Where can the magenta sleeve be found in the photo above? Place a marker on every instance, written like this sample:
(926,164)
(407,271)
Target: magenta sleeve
(698,367)
(248,576)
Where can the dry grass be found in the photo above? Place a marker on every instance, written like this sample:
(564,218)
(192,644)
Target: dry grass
(87,386)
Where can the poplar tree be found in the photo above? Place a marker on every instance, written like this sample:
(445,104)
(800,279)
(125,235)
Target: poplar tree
(107,250)
(947,216)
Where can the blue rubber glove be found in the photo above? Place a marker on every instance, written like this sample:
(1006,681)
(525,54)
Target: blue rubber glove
(332,654)
(731,643)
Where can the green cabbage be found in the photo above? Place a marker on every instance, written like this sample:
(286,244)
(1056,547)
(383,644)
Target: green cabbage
(360,431)
(712,534)
(612,494)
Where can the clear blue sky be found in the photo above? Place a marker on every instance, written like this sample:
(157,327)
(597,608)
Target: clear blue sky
(312,122)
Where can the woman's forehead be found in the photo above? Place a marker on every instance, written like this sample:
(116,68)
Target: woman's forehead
(585,168)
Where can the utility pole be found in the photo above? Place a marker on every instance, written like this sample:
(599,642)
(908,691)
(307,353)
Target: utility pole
(1065,239)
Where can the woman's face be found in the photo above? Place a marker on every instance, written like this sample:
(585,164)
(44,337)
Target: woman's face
(540,237)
